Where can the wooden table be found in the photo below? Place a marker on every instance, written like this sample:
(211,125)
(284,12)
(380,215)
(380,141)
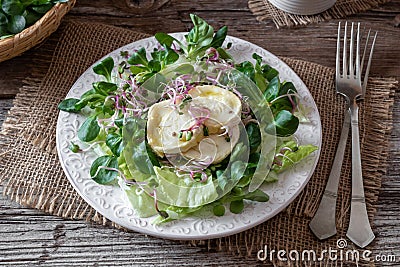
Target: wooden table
(29,237)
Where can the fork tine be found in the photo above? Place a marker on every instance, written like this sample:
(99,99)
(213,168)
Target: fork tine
(351,69)
(358,72)
(345,50)
(338,53)
(365,51)
(364,86)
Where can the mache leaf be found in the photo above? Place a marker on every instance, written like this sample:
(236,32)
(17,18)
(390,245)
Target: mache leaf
(272,90)
(104,176)
(105,68)
(247,68)
(285,124)
(219,210)
(68,105)
(104,88)
(257,195)
(16,24)
(219,37)
(114,142)
(89,130)
(254,136)
(236,206)
(164,39)
(139,58)
(12,7)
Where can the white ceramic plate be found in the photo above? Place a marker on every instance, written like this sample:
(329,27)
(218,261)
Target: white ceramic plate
(110,202)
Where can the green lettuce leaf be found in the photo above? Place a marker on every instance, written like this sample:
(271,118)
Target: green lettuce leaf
(183,191)
(292,154)
(141,203)
(176,213)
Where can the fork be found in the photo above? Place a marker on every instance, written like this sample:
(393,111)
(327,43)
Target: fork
(348,84)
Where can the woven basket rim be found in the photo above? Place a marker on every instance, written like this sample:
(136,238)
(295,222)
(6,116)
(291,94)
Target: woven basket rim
(13,44)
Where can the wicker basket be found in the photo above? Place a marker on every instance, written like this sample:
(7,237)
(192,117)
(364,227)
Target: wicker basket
(31,36)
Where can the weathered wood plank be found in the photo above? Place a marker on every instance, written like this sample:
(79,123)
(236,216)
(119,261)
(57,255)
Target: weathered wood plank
(5,105)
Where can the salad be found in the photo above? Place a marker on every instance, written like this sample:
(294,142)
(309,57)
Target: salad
(184,127)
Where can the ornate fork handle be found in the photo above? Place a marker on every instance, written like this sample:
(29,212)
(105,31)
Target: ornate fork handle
(323,224)
(359,230)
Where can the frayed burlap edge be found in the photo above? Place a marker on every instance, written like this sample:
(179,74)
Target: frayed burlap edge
(264,10)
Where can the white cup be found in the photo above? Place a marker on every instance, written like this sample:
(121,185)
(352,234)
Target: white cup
(303,7)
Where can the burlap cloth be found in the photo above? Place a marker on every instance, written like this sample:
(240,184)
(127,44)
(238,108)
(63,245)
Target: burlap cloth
(32,175)
(264,10)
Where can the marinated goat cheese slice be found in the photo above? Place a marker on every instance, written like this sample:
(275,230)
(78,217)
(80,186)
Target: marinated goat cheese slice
(225,107)
(214,148)
(206,125)
(164,126)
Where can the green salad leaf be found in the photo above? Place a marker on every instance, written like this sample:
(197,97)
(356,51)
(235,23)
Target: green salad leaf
(104,88)
(184,192)
(140,201)
(165,57)
(281,96)
(165,39)
(176,213)
(114,142)
(16,15)
(89,130)
(285,123)
(272,90)
(236,206)
(292,153)
(200,38)
(219,37)
(139,58)
(68,105)
(144,68)
(104,68)
(137,153)
(219,210)
(104,176)
(254,134)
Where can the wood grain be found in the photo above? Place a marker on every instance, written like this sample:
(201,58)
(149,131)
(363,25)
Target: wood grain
(31,238)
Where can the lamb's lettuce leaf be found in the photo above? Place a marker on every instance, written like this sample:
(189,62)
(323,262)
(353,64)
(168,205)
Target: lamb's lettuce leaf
(292,154)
